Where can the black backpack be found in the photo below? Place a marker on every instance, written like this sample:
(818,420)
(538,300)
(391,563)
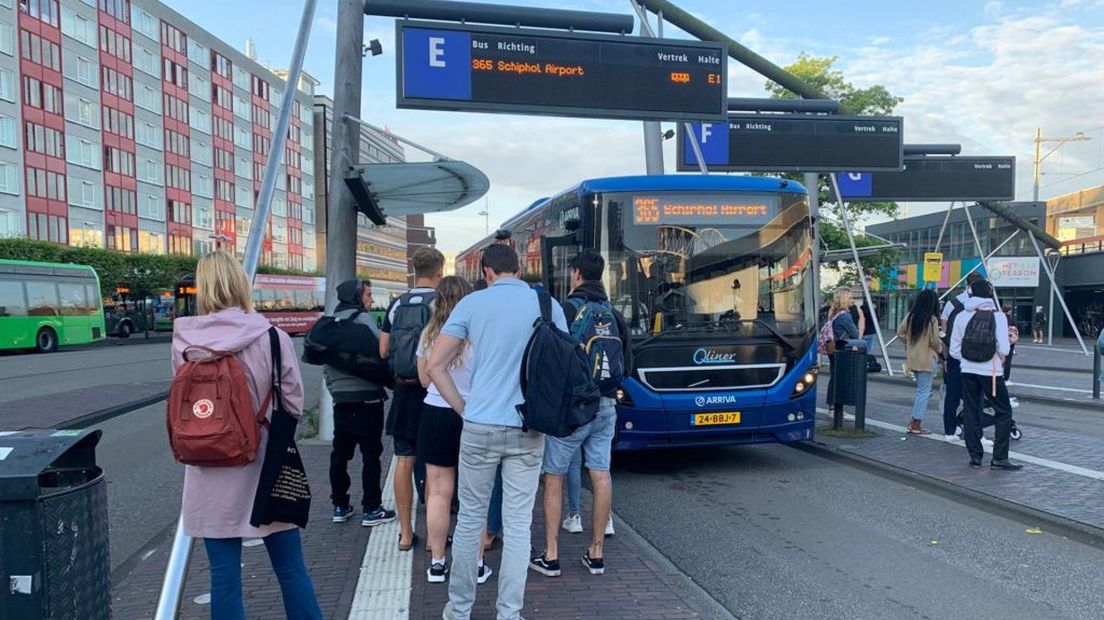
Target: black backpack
(956,308)
(410,316)
(347,345)
(979,340)
(560,394)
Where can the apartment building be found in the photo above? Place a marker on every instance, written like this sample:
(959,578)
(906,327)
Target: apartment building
(125,125)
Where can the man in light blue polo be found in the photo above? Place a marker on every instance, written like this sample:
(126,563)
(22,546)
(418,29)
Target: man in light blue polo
(497,323)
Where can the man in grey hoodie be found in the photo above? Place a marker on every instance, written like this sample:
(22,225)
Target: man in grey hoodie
(358,418)
(981,377)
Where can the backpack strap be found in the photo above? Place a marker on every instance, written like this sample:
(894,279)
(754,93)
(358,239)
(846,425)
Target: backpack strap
(545,301)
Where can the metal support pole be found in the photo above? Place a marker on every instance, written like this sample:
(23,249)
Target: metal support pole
(962,279)
(812,187)
(279,138)
(1054,287)
(697,147)
(980,251)
(862,276)
(653,140)
(1038,164)
(1050,307)
(1096,374)
(943,228)
(172,587)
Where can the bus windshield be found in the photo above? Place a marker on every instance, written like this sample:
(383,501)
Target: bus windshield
(734,263)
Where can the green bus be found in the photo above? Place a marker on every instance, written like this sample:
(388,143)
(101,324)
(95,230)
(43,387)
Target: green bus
(45,305)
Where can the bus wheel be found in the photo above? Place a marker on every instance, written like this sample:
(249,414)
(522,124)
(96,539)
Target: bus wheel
(124,330)
(46,341)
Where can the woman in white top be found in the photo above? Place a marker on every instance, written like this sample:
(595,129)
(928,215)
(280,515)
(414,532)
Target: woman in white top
(440,428)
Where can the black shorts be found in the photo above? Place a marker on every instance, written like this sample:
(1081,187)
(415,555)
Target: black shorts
(404,447)
(405,414)
(439,436)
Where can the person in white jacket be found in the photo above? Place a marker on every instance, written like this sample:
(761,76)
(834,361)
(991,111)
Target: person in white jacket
(984,377)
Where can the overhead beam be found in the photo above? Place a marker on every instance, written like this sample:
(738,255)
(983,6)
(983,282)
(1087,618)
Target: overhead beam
(797,106)
(1002,210)
(932,149)
(482,13)
(696,27)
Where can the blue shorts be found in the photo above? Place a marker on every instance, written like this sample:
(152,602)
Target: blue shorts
(596,440)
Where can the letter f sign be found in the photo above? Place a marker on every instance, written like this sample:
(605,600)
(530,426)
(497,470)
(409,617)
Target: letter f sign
(436,52)
(706,131)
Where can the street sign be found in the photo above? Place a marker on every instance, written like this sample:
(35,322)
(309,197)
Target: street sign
(935,179)
(933,266)
(795,142)
(523,71)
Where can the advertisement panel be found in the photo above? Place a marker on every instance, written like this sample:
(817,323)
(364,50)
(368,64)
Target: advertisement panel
(1013,271)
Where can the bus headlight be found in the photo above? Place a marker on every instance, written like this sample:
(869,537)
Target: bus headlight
(806,382)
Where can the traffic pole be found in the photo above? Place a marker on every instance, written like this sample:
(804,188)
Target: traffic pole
(653,139)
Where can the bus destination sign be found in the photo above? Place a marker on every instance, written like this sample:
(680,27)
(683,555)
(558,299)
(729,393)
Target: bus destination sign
(935,179)
(525,71)
(795,143)
(674,209)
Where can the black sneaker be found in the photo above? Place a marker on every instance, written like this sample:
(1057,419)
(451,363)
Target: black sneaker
(975,463)
(544,566)
(1005,465)
(484,574)
(596,566)
(437,573)
(379,516)
(341,514)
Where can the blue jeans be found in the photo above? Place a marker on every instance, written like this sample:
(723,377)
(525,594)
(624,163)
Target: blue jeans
(494,511)
(923,392)
(574,482)
(286,554)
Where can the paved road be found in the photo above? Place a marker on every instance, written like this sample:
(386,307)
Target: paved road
(774,532)
(30,375)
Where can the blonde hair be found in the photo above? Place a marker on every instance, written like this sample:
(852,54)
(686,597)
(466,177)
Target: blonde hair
(450,290)
(221,283)
(842,300)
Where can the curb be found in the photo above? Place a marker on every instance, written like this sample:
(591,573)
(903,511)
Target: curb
(103,415)
(1056,524)
(1074,371)
(1087,405)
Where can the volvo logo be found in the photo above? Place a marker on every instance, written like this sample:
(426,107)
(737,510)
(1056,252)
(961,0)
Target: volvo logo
(709,356)
(703,401)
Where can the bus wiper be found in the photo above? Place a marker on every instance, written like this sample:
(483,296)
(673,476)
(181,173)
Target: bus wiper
(774,332)
(658,335)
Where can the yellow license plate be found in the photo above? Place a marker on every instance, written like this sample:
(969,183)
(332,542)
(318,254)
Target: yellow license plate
(709,419)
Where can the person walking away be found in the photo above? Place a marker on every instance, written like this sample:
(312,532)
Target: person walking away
(920,333)
(218,501)
(603,334)
(952,371)
(401,332)
(439,432)
(1038,323)
(496,323)
(358,419)
(1013,338)
(980,343)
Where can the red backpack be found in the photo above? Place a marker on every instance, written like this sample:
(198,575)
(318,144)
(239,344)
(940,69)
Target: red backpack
(210,414)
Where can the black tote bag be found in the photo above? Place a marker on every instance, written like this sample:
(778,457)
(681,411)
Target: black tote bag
(283,491)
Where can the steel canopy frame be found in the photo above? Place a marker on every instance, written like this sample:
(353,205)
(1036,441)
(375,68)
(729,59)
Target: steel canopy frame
(505,15)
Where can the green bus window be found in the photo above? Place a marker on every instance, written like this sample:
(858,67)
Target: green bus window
(12,302)
(73,302)
(42,299)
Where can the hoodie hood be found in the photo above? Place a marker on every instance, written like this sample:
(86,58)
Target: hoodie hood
(348,296)
(590,290)
(974,304)
(228,330)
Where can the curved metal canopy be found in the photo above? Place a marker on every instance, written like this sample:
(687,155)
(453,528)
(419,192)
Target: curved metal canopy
(414,188)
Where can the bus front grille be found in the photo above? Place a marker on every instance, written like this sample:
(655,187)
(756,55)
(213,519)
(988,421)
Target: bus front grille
(702,379)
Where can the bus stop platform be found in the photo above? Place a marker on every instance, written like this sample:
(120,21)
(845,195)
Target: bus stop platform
(356,578)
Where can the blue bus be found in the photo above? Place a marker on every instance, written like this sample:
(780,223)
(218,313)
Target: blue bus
(713,274)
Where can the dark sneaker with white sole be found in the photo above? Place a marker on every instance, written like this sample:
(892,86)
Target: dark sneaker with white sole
(437,573)
(379,516)
(544,566)
(596,566)
(341,514)
(483,574)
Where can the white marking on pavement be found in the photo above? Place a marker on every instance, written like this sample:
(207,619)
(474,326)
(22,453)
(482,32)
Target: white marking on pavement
(383,590)
(1020,347)
(1049,387)
(1019,456)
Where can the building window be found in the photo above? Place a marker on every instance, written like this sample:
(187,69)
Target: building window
(197,53)
(80,110)
(173,38)
(220,64)
(179,244)
(198,86)
(179,178)
(121,200)
(8,132)
(241,78)
(43,184)
(114,44)
(241,108)
(204,216)
(77,27)
(243,168)
(148,62)
(118,123)
(147,99)
(119,9)
(244,197)
(118,161)
(200,120)
(152,208)
(84,153)
(9,223)
(175,74)
(122,238)
(40,51)
(44,140)
(7,39)
(177,109)
(43,10)
(259,88)
(148,135)
(203,186)
(146,24)
(151,171)
(115,83)
(180,212)
(222,97)
(9,179)
(47,228)
(201,153)
(83,193)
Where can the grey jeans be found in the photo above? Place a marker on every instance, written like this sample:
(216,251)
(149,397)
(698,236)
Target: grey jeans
(482,448)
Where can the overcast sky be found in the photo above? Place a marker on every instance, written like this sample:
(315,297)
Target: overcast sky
(983,74)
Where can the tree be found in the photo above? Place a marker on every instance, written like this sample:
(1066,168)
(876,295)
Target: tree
(876,100)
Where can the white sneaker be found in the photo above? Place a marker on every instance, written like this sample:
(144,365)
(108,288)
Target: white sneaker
(952,438)
(985,441)
(609,527)
(1014,402)
(573,523)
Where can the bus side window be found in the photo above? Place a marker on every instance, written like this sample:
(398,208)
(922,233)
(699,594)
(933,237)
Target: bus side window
(72,299)
(42,298)
(12,300)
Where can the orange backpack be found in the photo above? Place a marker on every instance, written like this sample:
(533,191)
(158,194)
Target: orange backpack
(210,414)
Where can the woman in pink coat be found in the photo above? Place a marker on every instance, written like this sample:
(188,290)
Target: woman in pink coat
(218,501)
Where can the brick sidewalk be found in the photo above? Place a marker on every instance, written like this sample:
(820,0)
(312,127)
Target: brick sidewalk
(635,586)
(333,554)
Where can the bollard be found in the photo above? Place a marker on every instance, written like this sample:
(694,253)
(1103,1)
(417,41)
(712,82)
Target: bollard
(1096,373)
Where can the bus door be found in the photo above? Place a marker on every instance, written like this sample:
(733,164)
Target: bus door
(555,254)
(76,310)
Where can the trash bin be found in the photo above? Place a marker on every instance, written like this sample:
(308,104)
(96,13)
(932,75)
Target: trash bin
(53,526)
(847,385)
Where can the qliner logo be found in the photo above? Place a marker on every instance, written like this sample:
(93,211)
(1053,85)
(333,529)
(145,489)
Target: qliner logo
(709,356)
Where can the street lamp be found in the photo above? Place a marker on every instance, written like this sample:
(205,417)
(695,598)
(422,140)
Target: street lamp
(1039,139)
(486,213)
